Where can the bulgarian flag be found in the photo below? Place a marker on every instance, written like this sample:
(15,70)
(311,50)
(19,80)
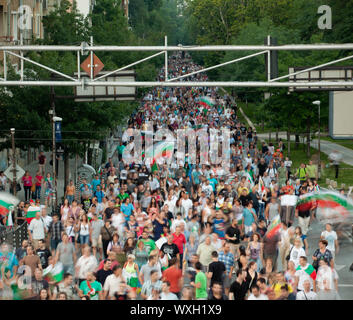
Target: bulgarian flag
(331,206)
(328,199)
(261,186)
(274,227)
(250,179)
(163,149)
(309,270)
(31,213)
(154,166)
(239,218)
(7,203)
(54,273)
(206,101)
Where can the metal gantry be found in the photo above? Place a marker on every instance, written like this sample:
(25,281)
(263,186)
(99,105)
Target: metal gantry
(84,48)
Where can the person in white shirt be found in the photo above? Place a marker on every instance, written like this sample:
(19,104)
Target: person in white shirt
(177,222)
(272,172)
(306,293)
(247,160)
(118,222)
(301,275)
(256,295)
(216,242)
(86,263)
(166,294)
(331,237)
(47,219)
(327,282)
(266,179)
(3,181)
(171,202)
(36,230)
(207,188)
(112,283)
(154,183)
(186,203)
(296,252)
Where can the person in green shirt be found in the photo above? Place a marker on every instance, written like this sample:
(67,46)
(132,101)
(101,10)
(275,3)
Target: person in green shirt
(122,195)
(121,150)
(311,169)
(91,287)
(302,173)
(149,244)
(200,283)
(282,175)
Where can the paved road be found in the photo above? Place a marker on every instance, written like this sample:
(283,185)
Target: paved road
(344,260)
(326,146)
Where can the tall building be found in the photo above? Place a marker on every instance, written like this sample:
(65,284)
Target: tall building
(85,7)
(23,17)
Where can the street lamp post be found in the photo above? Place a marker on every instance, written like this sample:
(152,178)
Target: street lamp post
(54,119)
(14,169)
(318,103)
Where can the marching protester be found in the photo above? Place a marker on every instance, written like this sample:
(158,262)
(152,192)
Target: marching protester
(173,228)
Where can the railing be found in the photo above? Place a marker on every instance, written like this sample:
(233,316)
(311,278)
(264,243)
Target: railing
(15,236)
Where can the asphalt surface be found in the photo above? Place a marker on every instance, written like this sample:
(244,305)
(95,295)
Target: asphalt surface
(326,147)
(344,259)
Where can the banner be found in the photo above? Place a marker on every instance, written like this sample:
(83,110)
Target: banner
(58,131)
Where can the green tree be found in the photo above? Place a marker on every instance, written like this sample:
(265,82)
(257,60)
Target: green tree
(28,108)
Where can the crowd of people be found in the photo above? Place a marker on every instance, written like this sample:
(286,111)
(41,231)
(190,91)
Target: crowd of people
(179,232)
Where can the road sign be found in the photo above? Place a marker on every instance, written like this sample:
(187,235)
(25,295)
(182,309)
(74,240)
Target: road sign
(9,172)
(97,65)
(107,93)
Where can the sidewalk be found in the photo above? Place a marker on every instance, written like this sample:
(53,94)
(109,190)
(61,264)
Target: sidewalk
(326,146)
(33,167)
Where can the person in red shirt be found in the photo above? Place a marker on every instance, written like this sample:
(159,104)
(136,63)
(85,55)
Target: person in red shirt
(27,185)
(112,258)
(41,162)
(38,181)
(179,240)
(174,275)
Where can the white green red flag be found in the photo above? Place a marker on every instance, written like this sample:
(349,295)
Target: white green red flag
(206,101)
(309,270)
(54,273)
(261,186)
(250,179)
(274,227)
(31,213)
(162,149)
(331,206)
(7,203)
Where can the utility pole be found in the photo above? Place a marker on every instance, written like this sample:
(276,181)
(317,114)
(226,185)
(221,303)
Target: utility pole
(318,103)
(52,113)
(14,169)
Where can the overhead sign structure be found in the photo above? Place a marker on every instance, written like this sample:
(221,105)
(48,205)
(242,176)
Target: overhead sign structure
(329,73)
(108,92)
(92,66)
(9,172)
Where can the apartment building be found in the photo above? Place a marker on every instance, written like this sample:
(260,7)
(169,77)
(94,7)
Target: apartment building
(23,17)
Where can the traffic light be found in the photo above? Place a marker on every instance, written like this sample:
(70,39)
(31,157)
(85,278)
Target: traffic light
(273,58)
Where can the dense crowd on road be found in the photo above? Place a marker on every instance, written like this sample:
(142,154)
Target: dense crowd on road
(179,232)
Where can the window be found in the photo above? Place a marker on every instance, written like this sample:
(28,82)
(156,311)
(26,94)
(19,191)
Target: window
(14,26)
